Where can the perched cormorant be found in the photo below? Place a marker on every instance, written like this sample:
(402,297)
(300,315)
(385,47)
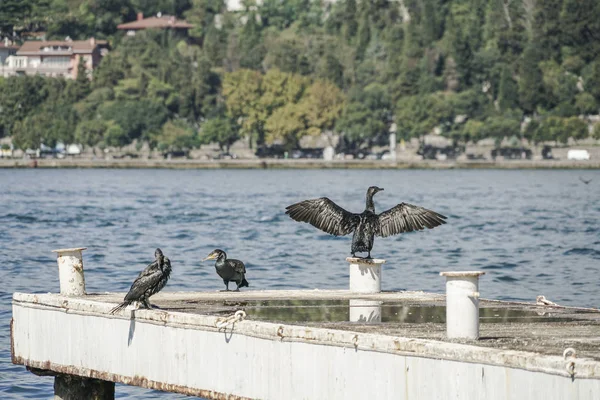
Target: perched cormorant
(229,269)
(329,217)
(150,281)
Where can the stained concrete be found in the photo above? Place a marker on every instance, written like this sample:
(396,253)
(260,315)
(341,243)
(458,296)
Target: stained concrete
(546,330)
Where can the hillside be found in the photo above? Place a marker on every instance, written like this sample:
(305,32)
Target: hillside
(279,70)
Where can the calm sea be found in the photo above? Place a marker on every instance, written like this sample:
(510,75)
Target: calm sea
(533,232)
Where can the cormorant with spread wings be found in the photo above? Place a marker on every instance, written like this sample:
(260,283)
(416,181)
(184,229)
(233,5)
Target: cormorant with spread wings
(324,214)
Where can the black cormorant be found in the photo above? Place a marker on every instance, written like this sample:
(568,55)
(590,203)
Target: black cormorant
(229,269)
(329,217)
(150,281)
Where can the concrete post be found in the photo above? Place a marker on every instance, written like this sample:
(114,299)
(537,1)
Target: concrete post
(70,387)
(365,311)
(462,304)
(365,274)
(70,271)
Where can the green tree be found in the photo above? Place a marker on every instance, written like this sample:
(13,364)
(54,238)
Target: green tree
(576,128)
(286,124)
(322,104)
(507,91)
(82,85)
(416,116)
(597,132)
(242,92)
(176,135)
(531,91)
(137,119)
(219,130)
(586,103)
(500,127)
(115,136)
(546,27)
(251,47)
(580,27)
(554,128)
(591,74)
(29,132)
(90,132)
(366,116)
(349,24)
(19,96)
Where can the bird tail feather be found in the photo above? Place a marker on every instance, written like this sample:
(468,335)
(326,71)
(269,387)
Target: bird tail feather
(244,283)
(120,306)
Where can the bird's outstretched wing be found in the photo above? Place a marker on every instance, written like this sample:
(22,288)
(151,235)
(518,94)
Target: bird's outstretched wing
(324,214)
(407,218)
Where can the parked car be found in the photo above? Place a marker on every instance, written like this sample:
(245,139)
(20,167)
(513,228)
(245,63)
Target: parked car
(430,152)
(511,153)
(175,154)
(579,155)
(225,156)
(547,153)
(274,151)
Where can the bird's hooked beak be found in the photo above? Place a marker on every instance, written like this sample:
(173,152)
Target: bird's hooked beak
(211,256)
(379,189)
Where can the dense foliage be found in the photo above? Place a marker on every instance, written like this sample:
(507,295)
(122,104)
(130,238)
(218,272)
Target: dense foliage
(280,70)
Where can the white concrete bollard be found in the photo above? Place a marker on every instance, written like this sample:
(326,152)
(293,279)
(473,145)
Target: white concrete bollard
(365,310)
(70,271)
(462,304)
(365,275)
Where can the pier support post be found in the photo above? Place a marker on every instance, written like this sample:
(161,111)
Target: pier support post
(462,304)
(70,387)
(365,274)
(70,271)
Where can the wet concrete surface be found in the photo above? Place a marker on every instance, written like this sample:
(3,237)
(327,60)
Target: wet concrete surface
(545,330)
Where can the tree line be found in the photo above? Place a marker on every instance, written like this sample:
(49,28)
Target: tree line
(276,71)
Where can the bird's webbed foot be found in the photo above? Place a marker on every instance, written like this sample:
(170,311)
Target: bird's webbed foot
(225,290)
(146,304)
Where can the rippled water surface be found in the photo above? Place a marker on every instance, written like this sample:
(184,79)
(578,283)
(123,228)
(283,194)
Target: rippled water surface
(533,232)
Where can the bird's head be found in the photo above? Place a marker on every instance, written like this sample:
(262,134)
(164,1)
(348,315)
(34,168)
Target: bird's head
(373,189)
(158,253)
(215,255)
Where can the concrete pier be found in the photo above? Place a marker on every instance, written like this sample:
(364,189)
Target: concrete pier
(303,344)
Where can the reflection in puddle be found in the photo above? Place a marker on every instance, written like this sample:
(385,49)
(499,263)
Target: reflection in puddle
(365,311)
(370,311)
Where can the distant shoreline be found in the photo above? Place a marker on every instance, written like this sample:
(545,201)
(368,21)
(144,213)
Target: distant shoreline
(297,164)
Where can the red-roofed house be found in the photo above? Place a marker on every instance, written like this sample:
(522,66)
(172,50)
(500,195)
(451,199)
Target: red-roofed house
(55,58)
(158,22)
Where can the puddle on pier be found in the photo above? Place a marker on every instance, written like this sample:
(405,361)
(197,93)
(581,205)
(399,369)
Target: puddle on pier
(369,311)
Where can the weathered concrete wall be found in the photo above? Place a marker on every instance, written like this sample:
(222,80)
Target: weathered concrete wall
(186,353)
